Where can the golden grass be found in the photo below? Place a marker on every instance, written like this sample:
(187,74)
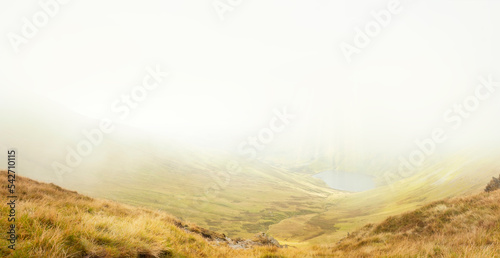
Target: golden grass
(54,222)
(460,227)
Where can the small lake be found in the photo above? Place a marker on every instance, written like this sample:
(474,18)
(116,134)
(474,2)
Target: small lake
(345,181)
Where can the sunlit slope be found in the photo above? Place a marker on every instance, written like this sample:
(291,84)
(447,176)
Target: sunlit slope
(460,227)
(213,189)
(55,222)
(203,190)
(458,175)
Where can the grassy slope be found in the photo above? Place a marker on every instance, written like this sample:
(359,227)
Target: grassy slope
(290,206)
(459,227)
(244,204)
(136,168)
(293,207)
(62,223)
(454,177)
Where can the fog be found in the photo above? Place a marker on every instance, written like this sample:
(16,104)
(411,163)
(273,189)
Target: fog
(227,77)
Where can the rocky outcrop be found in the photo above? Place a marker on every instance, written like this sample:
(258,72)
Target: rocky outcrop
(493,185)
(260,239)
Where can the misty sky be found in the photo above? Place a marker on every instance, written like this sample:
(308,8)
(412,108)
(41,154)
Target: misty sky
(226,76)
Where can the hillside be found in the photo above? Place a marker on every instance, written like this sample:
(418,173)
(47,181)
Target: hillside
(63,223)
(459,227)
(194,183)
(452,176)
(55,221)
(188,181)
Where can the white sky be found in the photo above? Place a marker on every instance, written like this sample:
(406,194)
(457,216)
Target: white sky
(227,76)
